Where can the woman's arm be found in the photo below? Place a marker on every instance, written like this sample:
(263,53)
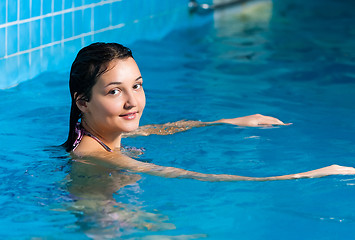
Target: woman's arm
(252,121)
(184,125)
(120,161)
(171,172)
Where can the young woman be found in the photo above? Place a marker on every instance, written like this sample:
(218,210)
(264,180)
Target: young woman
(108,100)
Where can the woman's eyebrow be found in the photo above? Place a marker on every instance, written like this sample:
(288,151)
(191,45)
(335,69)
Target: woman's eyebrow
(113,83)
(118,83)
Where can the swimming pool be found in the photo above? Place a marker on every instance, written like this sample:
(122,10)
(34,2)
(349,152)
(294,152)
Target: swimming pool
(298,67)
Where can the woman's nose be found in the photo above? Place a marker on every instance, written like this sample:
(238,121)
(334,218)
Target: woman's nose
(130,101)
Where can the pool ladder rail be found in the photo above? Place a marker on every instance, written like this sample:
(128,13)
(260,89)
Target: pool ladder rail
(195,7)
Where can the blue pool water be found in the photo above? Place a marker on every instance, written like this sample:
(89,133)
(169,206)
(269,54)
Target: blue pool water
(299,67)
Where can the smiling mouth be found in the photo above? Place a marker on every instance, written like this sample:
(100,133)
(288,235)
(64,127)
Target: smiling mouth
(129,116)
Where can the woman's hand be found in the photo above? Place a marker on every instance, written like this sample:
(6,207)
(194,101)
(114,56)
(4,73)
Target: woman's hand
(255,120)
(326,171)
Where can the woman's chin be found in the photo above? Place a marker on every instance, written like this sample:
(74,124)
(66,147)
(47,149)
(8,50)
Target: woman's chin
(130,128)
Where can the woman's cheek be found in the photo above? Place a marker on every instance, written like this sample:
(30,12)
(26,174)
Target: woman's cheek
(142,101)
(114,108)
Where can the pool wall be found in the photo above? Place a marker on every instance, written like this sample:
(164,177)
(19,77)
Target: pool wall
(44,35)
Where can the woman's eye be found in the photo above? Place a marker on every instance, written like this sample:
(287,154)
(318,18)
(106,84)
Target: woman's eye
(137,86)
(114,91)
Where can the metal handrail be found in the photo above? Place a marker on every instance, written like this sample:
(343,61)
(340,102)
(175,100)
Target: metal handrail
(194,6)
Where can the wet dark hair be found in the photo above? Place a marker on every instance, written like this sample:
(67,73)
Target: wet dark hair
(89,64)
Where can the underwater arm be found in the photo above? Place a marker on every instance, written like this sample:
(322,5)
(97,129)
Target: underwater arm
(166,128)
(184,125)
(122,162)
(171,172)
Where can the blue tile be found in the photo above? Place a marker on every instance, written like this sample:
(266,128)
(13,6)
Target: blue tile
(147,8)
(91,1)
(3,81)
(126,10)
(47,7)
(12,11)
(2,42)
(47,30)
(24,65)
(24,9)
(2,12)
(87,20)
(68,27)
(12,39)
(127,34)
(35,29)
(36,8)
(57,51)
(68,4)
(46,58)
(24,36)
(78,22)
(71,48)
(116,12)
(101,17)
(35,58)
(9,80)
(12,70)
(58,5)
(78,3)
(57,28)
(88,40)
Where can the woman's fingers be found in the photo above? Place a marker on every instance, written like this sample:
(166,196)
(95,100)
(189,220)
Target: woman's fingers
(255,120)
(341,170)
(267,120)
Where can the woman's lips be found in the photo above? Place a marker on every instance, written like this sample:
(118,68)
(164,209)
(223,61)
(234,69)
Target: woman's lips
(129,116)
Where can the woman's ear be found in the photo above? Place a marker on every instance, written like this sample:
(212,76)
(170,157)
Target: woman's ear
(80,102)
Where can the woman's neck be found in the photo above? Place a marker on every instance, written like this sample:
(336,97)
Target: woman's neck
(111,139)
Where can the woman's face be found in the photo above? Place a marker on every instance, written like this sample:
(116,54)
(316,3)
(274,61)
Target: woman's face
(118,100)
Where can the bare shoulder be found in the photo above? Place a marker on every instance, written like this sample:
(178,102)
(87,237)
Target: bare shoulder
(113,160)
(88,146)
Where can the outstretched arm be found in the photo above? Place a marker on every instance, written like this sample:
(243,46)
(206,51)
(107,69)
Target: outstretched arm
(184,125)
(252,121)
(120,161)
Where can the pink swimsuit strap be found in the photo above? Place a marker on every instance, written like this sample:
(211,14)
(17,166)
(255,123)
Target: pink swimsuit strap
(80,131)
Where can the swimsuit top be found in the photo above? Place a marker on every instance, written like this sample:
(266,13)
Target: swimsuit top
(80,131)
